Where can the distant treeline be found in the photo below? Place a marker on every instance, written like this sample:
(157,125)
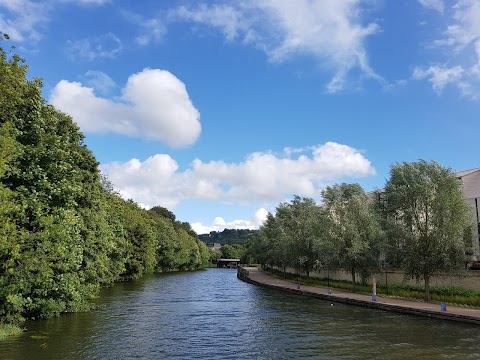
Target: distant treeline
(228,236)
(64,232)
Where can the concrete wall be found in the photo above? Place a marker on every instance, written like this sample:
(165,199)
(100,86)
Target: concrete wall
(462,279)
(471,185)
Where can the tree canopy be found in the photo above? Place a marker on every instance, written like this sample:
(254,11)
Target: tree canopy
(425,202)
(64,232)
(417,223)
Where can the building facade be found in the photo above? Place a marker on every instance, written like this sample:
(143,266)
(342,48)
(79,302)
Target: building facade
(470,181)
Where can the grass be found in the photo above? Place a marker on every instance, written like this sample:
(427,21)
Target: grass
(451,296)
(7,330)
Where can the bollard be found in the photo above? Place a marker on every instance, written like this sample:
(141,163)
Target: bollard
(443,307)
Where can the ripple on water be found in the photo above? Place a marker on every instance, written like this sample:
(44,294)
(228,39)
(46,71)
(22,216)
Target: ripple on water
(212,315)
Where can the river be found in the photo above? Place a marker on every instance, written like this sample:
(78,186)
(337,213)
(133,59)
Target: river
(210,314)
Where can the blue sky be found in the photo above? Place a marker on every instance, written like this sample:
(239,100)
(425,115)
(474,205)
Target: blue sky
(220,110)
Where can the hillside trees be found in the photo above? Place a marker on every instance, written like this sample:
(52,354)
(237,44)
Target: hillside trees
(425,202)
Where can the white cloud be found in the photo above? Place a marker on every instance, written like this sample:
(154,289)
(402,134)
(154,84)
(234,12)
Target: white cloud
(154,104)
(100,81)
(230,20)
(106,46)
(262,177)
(24,20)
(330,31)
(437,5)
(89,2)
(440,77)
(465,29)
(151,30)
(20,19)
(219,224)
(461,42)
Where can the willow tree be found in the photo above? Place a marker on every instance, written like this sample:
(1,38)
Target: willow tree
(266,247)
(355,233)
(425,201)
(302,223)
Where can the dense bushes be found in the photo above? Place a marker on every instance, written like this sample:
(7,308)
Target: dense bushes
(63,231)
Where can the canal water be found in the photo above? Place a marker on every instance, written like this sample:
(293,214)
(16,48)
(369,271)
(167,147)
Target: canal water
(210,314)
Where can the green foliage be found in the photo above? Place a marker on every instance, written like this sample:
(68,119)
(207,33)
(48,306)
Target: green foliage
(64,232)
(294,237)
(425,205)
(418,223)
(453,296)
(228,236)
(7,330)
(355,234)
(235,251)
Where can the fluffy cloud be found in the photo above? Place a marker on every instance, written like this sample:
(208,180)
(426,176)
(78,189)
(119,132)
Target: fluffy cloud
(154,104)
(330,31)
(262,177)
(461,42)
(219,224)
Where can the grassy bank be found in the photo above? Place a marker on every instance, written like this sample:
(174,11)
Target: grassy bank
(452,296)
(9,330)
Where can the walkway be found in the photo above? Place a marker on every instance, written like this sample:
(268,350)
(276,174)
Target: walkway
(258,277)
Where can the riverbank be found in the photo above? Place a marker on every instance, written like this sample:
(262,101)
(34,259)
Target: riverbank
(257,277)
(7,330)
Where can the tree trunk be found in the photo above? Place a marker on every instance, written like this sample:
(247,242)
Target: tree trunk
(427,288)
(353,279)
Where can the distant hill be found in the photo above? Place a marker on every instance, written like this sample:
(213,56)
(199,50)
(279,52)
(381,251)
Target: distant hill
(227,236)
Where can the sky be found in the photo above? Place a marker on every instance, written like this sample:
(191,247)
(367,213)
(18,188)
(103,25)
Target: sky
(221,110)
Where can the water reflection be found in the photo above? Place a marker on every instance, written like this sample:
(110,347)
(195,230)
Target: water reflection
(212,315)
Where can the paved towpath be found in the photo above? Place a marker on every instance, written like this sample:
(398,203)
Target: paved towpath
(464,314)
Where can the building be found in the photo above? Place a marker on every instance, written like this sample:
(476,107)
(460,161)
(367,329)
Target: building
(214,246)
(470,180)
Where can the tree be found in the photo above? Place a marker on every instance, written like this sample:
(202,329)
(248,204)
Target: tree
(235,251)
(274,242)
(425,201)
(354,231)
(301,223)
(163,212)
(64,232)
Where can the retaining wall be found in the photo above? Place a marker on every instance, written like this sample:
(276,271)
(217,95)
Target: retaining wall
(461,279)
